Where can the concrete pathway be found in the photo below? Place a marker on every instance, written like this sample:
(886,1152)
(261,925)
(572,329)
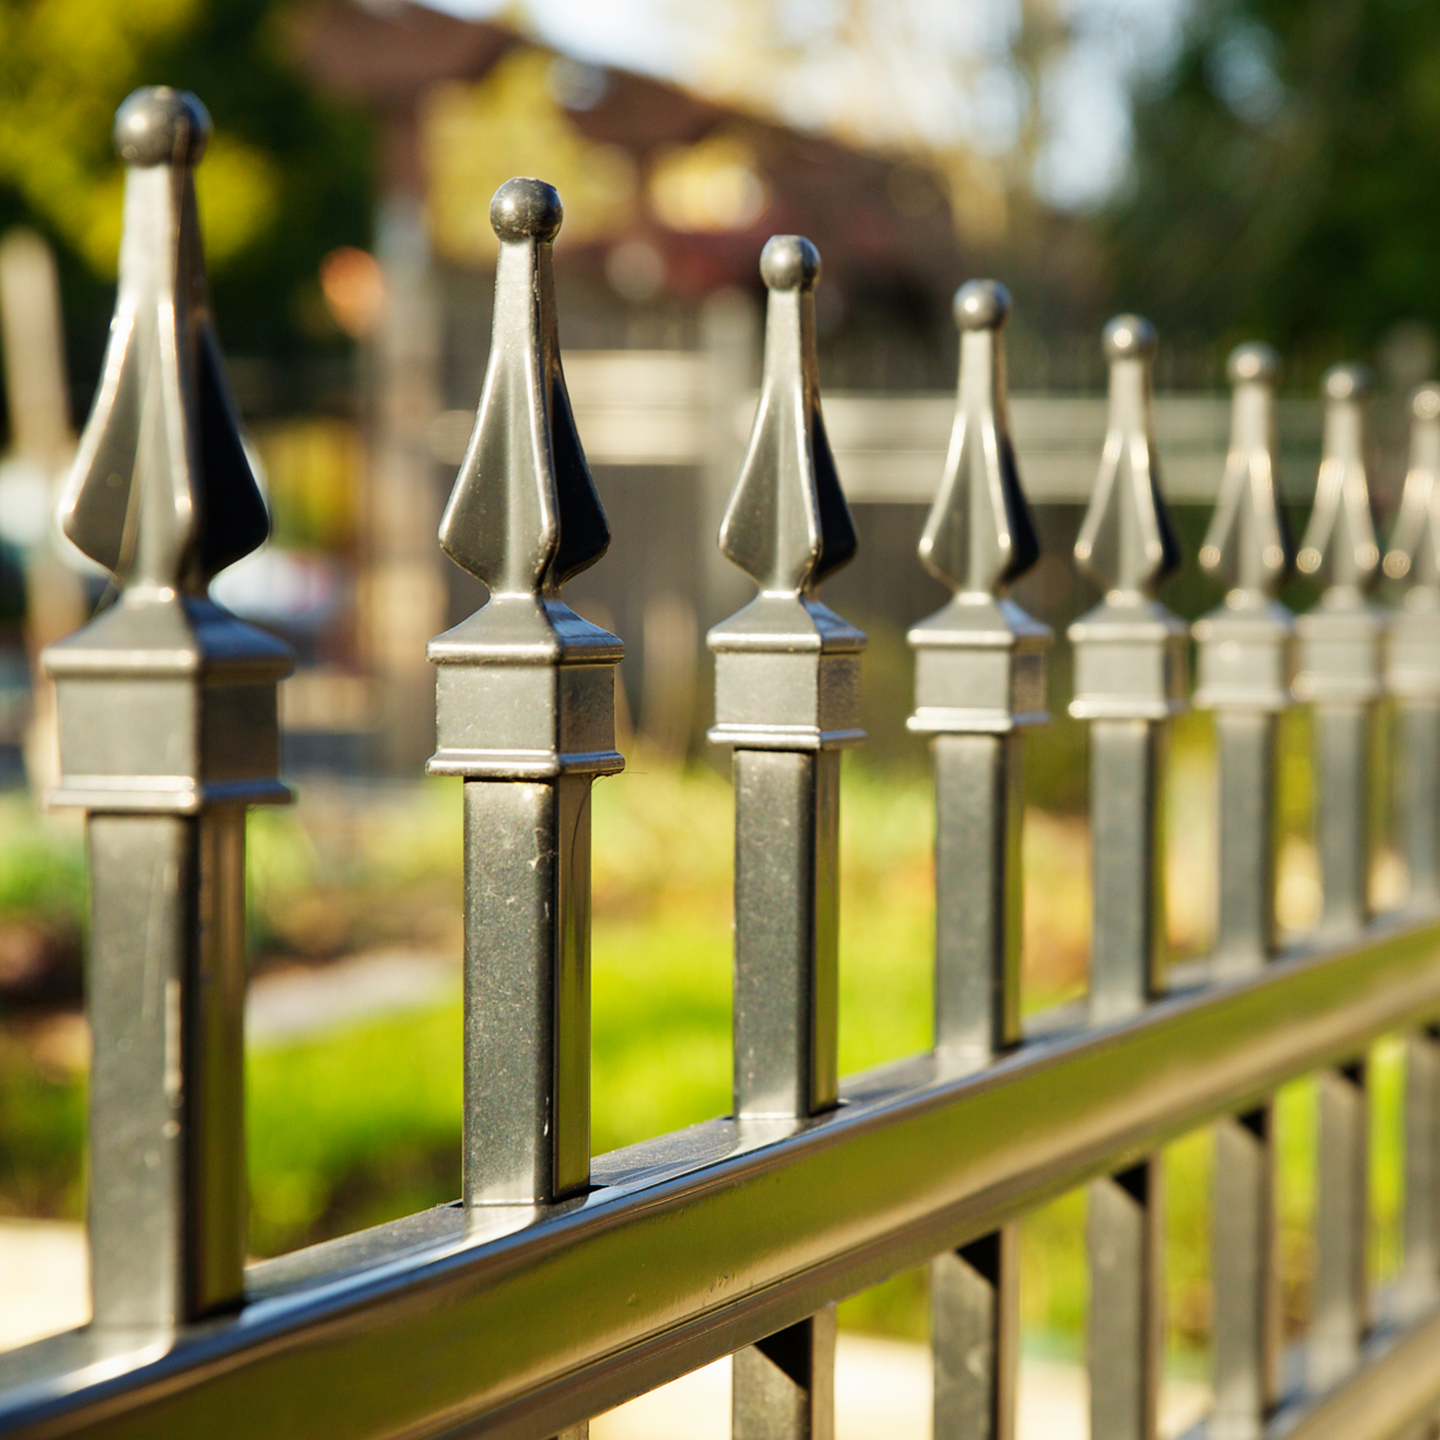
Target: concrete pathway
(288,1004)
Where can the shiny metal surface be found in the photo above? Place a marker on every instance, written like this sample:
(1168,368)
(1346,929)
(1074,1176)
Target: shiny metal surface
(1124,1236)
(1127,955)
(1245,665)
(525,712)
(786,691)
(509,1321)
(787,871)
(527,989)
(1340,1310)
(1412,655)
(1339,659)
(1129,678)
(1340,674)
(168,728)
(975,1335)
(1245,1271)
(1420,1254)
(979,678)
(784,1385)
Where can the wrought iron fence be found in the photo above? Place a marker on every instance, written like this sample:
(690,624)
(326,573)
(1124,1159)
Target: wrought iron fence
(560,1285)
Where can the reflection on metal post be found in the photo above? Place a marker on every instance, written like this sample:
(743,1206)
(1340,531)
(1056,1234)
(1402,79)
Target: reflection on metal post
(1339,669)
(980,676)
(1339,673)
(1129,679)
(168,729)
(1412,676)
(1420,1263)
(1412,661)
(786,683)
(525,712)
(1244,661)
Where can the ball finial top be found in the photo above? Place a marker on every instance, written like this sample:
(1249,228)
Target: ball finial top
(1129,337)
(982,305)
(1252,362)
(160,126)
(789,262)
(1345,382)
(1425,402)
(525,209)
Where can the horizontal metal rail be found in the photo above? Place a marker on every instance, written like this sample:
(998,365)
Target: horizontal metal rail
(518,1321)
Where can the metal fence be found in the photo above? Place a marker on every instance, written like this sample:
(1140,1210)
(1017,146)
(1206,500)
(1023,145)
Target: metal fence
(561,1285)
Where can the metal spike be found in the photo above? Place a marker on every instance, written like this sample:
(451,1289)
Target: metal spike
(524,516)
(1126,543)
(787,525)
(169,728)
(1414,554)
(525,713)
(1339,545)
(161,493)
(979,536)
(1246,543)
(1245,656)
(1341,653)
(1412,661)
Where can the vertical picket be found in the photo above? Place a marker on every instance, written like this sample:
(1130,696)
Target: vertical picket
(168,730)
(786,683)
(1244,663)
(1412,676)
(1339,674)
(979,677)
(525,712)
(1129,679)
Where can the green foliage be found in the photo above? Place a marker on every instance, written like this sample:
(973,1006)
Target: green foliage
(42,1122)
(42,865)
(1277,185)
(286,178)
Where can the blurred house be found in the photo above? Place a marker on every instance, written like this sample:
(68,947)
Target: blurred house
(668,199)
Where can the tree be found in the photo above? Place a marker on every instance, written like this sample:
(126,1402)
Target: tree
(285,180)
(1282,176)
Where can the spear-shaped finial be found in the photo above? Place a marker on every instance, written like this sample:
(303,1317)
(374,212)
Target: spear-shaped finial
(169,728)
(1245,650)
(161,493)
(1246,543)
(787,525)
(787,682)
(1414,554)
(979,536)
(1412,654)
(1126,542)
(524,516)
(1339,545)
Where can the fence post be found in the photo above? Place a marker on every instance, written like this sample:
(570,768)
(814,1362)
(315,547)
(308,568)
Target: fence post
(525,713)
(168,730)
(1412,676)
(1339,673)
(786,690)
(1244,650)
(979,677)
(1129,679)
